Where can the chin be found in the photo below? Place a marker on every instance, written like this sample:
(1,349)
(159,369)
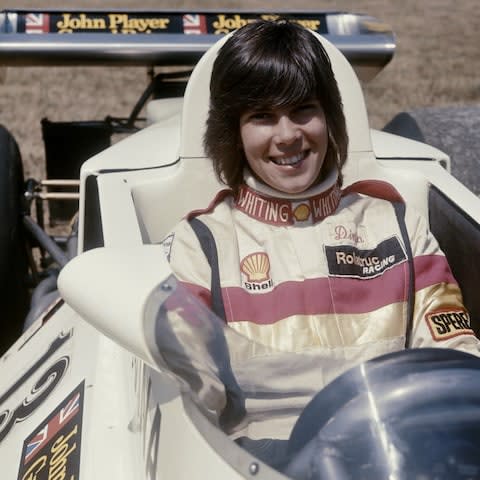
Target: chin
(294,190)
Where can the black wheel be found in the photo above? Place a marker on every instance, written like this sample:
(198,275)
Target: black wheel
(13,253)
(454,130)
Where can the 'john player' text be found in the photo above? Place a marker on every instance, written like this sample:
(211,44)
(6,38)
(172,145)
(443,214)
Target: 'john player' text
(349,261)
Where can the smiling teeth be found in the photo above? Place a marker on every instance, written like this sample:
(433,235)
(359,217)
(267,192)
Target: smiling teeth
(290,160)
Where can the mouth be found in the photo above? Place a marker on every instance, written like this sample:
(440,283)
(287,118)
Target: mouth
(291,161)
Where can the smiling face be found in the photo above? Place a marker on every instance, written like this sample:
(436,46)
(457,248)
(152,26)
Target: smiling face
(281,66)
(285,147)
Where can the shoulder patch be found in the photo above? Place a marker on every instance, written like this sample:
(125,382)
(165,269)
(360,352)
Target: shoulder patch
(350,261)
(448,323)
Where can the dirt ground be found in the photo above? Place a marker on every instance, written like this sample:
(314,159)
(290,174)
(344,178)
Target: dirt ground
(437,63)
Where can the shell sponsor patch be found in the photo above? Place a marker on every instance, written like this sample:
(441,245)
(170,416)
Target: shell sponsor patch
(301,212)
(445,324)
(350,261)
(256,270)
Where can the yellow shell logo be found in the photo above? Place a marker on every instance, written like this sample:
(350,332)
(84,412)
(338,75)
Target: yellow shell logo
(256,266)
(302,212)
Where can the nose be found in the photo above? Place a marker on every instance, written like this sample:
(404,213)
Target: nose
(286,131)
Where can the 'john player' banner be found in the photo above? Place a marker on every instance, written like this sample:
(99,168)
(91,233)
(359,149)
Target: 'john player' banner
(149,22)
(52,451)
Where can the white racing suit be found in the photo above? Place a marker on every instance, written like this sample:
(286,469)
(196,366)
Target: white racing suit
(311,285)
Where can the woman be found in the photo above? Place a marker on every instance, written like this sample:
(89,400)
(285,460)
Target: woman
(288,259)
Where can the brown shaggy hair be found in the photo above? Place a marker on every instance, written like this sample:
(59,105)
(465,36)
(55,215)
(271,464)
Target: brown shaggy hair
(269,64)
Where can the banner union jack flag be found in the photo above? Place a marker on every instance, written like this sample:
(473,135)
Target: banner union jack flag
(48,431)
(194,24)
(37,23)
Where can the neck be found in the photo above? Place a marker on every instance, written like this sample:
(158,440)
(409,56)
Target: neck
(261,202)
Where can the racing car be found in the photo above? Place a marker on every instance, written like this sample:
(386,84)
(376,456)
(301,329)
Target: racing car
(92,386)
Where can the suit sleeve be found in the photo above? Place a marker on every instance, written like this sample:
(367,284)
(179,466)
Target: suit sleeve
(440,318)
(193,362)
(209,375)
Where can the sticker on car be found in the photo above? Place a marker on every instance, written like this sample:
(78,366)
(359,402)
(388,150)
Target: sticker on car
(52,451)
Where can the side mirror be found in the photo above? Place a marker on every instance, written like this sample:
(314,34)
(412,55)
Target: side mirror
(110,288)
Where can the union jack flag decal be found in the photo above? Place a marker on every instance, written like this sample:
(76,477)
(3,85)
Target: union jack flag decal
(194,24)
(47,431)
(36,442)
(37,23)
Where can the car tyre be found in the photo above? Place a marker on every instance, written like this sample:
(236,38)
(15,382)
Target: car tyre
(13,253)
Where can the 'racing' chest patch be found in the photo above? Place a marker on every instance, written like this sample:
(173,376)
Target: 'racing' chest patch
(449,323)
(350,261)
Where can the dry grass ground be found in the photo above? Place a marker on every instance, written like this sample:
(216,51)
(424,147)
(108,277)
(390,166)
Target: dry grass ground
(437,63)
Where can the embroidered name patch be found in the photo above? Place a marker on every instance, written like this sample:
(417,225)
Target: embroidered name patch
(276,211)
(350,261)
(449,323)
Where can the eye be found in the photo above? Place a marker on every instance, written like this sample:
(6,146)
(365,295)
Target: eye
(260,115)
(305,111)
(307,107)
